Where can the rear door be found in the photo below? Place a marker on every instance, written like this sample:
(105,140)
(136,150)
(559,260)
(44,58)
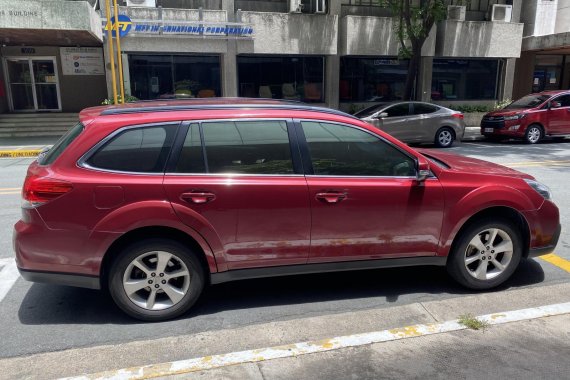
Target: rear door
(426,121)
(559,117)
(241,183)
(397,123)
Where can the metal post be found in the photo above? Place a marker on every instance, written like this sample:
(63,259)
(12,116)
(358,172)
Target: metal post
(109,28)
(119,55)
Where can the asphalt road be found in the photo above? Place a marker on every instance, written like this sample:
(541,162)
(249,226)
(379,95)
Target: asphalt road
(39,318)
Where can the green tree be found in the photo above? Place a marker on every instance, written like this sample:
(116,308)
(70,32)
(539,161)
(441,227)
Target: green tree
(413,21)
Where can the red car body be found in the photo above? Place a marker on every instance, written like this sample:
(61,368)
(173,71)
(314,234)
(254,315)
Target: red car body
(262,225)
(549,114)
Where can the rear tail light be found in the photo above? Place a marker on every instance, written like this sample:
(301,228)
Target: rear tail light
(457,115)
(40,190)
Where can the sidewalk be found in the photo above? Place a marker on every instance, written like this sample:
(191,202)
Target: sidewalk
(406,341)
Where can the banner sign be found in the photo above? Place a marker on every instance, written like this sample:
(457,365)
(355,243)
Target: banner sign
(82,61)
(188,28)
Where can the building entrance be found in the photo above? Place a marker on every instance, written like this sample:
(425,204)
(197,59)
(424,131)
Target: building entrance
(33,84)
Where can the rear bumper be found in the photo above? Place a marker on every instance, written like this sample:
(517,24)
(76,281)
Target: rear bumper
(66,279)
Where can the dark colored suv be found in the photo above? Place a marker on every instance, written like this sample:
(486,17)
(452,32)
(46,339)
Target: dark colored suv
(530,118)
(156,200)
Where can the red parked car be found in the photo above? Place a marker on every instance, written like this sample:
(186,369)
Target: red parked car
(530,118)
(156,200)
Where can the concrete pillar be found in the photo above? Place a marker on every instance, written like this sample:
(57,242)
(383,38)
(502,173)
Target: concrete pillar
(507,80)
(332,63)
(423,85)
(524,72)
(332,80)
(229,61)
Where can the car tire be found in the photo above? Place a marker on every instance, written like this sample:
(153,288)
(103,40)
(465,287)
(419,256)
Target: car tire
(444,137)
(533,134)
(469,262)
(156,279)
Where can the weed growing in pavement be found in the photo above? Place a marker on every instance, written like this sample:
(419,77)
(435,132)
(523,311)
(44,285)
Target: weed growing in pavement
(469,321)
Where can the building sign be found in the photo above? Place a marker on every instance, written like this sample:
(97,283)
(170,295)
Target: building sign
(82,61)
(21,14)
(188,28)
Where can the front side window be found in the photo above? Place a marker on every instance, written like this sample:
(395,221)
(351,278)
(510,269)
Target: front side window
(398,110)
(248,147)
(564,100)
(138,150)
(339,150)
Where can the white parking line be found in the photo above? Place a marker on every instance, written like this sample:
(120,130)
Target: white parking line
(298,349)
(8,276)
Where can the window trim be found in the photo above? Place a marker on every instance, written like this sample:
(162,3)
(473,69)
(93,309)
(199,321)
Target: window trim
(308,161)
(82,162)
(184,129)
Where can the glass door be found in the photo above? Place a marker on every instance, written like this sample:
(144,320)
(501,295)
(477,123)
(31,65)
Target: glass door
(33,84)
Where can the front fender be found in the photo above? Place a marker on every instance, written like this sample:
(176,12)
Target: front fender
(459,212)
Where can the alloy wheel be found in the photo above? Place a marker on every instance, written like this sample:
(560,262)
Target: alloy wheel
(445,138)
(156,280)
(533,135)
(488,254)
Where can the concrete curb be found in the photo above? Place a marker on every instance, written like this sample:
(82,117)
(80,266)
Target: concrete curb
(311,347)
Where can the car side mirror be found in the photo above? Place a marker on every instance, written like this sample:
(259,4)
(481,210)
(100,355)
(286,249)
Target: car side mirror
(381,115)
(555,105)
(423,171)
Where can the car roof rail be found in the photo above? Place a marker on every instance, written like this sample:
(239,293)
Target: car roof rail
(285,105)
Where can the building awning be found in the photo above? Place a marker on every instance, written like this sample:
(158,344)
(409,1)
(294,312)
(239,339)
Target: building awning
(49,23)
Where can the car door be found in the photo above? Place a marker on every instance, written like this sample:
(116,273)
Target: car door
(365,200)
(426,121)
(397,122)
(559,117)
(240,183)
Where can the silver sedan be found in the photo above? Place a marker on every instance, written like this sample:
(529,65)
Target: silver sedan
(416,122)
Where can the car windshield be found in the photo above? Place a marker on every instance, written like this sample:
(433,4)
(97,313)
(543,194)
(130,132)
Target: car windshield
(369,111)
(528,101)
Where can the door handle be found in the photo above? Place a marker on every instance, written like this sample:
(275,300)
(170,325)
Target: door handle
(331,197)
(198,197)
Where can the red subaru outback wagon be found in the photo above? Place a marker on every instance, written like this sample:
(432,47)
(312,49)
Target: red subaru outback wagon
(156,200)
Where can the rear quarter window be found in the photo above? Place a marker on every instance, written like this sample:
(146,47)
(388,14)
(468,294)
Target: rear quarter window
(55,151)
(138,150)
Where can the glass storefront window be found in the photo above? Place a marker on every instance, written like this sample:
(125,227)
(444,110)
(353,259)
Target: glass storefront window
(293,78)
(547,73)
(464,79)
(174,76)
(372,79)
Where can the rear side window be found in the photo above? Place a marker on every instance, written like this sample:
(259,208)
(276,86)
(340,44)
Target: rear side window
(139,150)
(421,108)
(248,147)
(51,155)
(191,156)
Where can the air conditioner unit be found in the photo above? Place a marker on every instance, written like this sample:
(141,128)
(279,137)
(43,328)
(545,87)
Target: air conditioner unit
(320,6)
(141,3)
(295,6)
(456,12)
(501,12)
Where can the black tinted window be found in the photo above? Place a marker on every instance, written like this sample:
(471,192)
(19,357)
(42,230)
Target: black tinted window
(141,150)
(250,147)
(341,150)
(191,158)
(56,150)
(422,108)
(398,110)
(564,100)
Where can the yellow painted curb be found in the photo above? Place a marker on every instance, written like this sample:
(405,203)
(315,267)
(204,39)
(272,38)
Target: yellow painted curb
(19,153)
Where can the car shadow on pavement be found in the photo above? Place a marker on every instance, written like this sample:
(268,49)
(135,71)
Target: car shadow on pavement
(51,304)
